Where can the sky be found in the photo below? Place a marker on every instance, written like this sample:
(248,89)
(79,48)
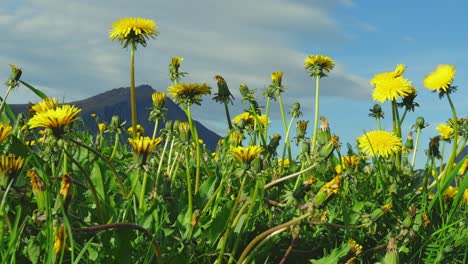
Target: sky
(64,50)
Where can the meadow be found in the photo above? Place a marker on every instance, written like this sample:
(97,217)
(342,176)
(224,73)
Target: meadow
(125,195)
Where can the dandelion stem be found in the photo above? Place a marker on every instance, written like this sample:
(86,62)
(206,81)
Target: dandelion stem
(189,191)
(5,98)
(225,237)
(132,89)
(116,144)
(258,238)
(228,116)
(418,132)
(109,164)
(317,102)
(449,165)
(155,128)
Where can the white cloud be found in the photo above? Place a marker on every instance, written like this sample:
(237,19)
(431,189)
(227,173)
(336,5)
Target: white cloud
(64,45)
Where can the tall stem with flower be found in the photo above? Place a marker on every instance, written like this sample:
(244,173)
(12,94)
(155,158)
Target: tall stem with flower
(440,81)
(12,83)
(133,31)
(317,66)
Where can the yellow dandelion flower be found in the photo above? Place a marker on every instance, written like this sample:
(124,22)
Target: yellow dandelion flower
(5,131)
(246,117)
(425,219)
(399,70)
(55,119)
(318,65)
(465,196)
(355,247)
(159,98)
(463,168)
(284,162)
(235,138)
(350,161)
(65,187)
(102,127)
(263,119)
(10,166)
(188,92)
(176,61)
(144,145)
(36,182)
(391,88)
(59,240)
(140,130)
(277,77)
(133,30)
(450,193)
(44,105)
(441,78)
(387,207)
(380,143)
(445,131)
(246,154)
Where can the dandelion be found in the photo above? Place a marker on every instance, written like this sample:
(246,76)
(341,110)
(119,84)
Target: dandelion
(144,145)
(465,196)
(355,248)
(440,79)
(276,78)
(159,99)
(399,70)
(139,130)
(59,240)
(44,106)
(38,188)
(445,131)
(65,188)
(55,119)
(188,93)
(246,155)
(450,193)
(380,143)
(5,131)
(391,89)
(318,65)
(10,166)
(133,31)
(243,119)
(102,127)
(235,138)
(351,161)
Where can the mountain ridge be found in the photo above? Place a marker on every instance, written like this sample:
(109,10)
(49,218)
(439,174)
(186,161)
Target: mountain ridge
(117,102)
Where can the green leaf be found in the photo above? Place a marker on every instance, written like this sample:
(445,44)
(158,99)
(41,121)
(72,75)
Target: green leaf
(334,256)
(219,223)
(96,178)
(36,91)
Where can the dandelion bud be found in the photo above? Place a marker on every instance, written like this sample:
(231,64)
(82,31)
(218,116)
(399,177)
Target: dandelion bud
(59,240)
(244,90)
(65,189)
(10,166)
(5,131)
(376,111)
(304,147)
(38,188)
(301,127)
(102,127)
(409,141)
(434,148)
(276,78)
(391,257)
(223,95)
(159,99)
(420,122)
(296,110)
(15,76)
(235,138)
(274,142)
(116,124)
(327,150)
(184,131)
(324,136)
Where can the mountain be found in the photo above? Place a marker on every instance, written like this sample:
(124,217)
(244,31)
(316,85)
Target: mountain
(117,102)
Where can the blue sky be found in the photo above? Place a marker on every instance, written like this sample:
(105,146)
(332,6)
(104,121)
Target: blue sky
(63,48)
